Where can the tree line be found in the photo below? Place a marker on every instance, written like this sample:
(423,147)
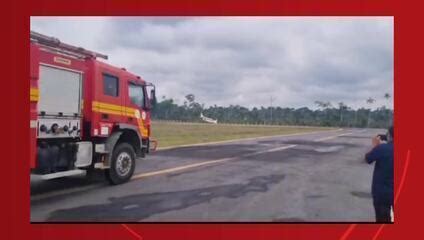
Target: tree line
(327,114)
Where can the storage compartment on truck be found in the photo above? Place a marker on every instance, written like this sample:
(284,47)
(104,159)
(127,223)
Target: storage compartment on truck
(60,91)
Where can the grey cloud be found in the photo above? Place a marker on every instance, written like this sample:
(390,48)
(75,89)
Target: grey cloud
(245,60)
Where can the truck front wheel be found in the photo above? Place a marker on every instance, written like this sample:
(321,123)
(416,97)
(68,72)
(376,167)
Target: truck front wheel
(122,164)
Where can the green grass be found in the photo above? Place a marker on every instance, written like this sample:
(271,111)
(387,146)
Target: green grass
(176,134)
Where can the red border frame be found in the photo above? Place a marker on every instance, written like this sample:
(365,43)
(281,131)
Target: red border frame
(15,98)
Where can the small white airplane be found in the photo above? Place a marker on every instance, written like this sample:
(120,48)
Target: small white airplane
(209,120)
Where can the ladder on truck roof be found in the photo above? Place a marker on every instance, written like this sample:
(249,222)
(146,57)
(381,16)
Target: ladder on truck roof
(56,44)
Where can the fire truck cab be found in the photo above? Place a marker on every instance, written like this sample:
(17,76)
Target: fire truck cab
(84,113)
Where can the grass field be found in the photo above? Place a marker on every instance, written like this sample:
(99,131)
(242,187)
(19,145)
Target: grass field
(175,134)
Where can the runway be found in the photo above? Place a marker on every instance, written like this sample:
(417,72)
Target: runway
(313,177)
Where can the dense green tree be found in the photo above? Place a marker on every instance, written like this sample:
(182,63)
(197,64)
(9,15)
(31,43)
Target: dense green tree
(325,115)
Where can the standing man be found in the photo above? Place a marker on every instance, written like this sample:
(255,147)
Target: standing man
(382,181)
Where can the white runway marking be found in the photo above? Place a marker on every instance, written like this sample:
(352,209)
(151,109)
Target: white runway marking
(175,169)
(130,206)
(331,137)
(270,150)
(185,167)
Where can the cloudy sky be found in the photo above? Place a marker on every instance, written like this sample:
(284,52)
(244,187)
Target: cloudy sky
(244,60)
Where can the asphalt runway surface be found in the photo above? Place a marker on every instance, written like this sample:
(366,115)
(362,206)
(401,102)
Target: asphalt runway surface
(315,177)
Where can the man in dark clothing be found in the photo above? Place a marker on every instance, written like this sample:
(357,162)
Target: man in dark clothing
(382,181)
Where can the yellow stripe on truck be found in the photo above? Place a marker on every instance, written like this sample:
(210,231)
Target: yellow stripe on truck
(112,109)
(120,111)
(107,106)
(34,94)
(142,129)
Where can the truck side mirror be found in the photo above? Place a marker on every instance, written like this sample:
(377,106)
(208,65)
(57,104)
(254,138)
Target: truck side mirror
(152,97)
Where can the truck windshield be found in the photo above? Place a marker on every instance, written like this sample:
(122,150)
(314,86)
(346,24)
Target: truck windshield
(136,94)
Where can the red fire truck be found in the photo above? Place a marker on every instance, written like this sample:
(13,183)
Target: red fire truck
(85,113)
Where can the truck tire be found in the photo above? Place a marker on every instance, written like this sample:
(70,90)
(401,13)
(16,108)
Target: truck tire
(122,164)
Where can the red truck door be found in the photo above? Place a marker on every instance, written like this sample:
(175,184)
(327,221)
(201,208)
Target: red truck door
(108,101)
(135,103)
